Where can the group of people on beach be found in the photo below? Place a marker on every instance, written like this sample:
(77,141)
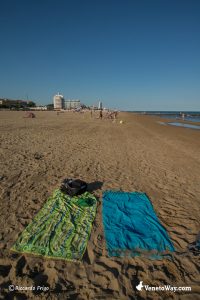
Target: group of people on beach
(108,115)
(112,115)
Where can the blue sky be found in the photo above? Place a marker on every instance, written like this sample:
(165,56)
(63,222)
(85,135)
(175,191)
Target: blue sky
(133,55)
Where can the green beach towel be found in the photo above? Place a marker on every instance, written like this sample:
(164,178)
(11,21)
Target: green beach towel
(61,228)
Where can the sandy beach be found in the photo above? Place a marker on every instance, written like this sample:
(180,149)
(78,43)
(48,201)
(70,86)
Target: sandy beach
(138,155)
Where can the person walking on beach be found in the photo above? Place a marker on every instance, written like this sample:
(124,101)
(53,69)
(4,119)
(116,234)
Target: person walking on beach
(101,114)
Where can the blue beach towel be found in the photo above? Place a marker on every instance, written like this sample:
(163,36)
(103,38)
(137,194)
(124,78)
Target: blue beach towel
(131,226)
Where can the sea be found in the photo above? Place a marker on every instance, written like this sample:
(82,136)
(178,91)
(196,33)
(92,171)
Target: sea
(192,116)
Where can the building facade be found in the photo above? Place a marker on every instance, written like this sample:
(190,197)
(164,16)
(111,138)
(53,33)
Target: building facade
(58,101)
(72,104)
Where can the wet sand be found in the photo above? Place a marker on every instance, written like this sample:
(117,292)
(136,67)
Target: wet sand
(138,155)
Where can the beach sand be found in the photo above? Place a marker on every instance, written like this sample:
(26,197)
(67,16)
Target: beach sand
(138,155)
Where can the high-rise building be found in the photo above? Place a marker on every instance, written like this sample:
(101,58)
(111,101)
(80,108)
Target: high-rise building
(58,101)
(72,104)
(100,105)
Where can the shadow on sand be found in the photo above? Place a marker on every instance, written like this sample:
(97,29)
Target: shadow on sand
(93,186)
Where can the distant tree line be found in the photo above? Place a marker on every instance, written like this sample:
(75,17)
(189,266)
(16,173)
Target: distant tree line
(16,104)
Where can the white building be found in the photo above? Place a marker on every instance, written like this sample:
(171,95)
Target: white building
(58,101)
(72,104)
(100,105)
(39,108)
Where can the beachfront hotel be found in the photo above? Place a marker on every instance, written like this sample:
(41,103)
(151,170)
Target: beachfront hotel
(72,104)
(58,101)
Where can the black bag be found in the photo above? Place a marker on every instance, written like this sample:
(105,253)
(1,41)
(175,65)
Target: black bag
(73,187)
